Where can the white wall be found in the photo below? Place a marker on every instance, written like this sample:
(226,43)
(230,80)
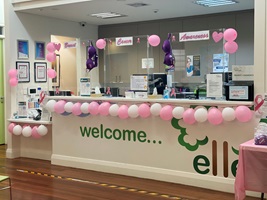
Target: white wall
(1,12)
(35,28)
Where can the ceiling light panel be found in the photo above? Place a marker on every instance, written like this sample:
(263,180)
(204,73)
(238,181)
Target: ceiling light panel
(212,3)
(107,15)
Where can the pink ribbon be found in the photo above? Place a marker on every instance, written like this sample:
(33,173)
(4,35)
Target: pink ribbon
(42,96)
(173,92)
(108,91)
(57,91)
(173,38)
(258,102)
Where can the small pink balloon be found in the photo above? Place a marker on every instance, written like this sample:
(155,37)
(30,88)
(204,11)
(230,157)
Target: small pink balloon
(154,40)
(12,73)
(51,57)
(215,116)
(76,109)
(103,109)
(144,110)
(59,106)
(57,46)
(123,112)
(93,108)
(166,113)
(51,47)
(10,127)
(100,43)
(230,47)
(51,73)
(243,114)
(230,34)
(13,82)
(188,116)
(35,133)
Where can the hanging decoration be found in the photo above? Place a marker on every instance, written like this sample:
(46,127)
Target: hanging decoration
(169,58)
(230,35)
(154,40)
(92,60)
(13,80)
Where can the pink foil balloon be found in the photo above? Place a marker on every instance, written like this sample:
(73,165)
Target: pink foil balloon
(166,113)
(12,73)
(51,57)
(188,116)
(215,116)
(13,82)
(123,112)
(93,108)
(103,109)
(76,109)
(144,110)
(154,40)
(230,47)
(243,114)
(230,34)
(35,134)
(51,47)
(101,44)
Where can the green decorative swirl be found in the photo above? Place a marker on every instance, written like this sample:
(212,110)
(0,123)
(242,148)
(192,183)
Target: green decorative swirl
(175,124)
(235,151)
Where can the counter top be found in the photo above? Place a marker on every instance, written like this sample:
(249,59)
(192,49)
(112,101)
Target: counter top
(29,121)
(134,100)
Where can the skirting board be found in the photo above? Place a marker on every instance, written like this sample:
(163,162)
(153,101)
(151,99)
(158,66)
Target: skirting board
(185,178)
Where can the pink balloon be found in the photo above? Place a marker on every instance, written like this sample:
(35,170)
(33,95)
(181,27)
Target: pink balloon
(217,36)
(103,109)
(12,73)
(215,116)
(51,73)
(51,57)
(51,47)
(166,113)
(144,110)
(10,127)
(188,116)
(59,106)
(230,34)
(154,40)
(123,112)
(76,109)
(230,47)
(13,82)
(93,108)
(101,44)
(243,114)
(35,133)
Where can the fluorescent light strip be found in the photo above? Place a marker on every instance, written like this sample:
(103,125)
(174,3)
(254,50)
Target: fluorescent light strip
(107,15)
(211,3)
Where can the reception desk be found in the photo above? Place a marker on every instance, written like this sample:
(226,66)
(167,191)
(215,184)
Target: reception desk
(198,154)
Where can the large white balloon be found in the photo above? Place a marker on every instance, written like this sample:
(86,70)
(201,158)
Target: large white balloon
(228,114)
(17,130)
(113,110)
(42,130)
(68,107)
(155,109)
(84,108)
(133,111)
(27,131)
(50,105)
(177,112)
(201,115)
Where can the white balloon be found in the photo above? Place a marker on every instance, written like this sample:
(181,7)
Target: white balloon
(84,108)
(113,110)
(42,130)
(177,112)
(201,115)
(228,114)
(155,109)
(68,107)
(133,111)
(50,105)
(17,130)
(27,131)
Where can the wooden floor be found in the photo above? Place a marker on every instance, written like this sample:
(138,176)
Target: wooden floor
(34,179)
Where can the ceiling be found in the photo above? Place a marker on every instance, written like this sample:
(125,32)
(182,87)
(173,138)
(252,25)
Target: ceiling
(81,10)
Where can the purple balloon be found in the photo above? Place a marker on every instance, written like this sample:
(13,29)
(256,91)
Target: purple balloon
(169,59)
(91,51)
(92,60)
(166,47)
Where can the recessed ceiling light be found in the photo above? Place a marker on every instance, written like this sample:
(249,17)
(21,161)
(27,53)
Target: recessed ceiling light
(137,5)
(212,3)
(107,15)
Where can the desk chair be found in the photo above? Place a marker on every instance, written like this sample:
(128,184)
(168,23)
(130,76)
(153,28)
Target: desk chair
(6,178)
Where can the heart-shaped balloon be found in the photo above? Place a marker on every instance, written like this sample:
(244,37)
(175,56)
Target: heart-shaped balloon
(57,46)
(217,36)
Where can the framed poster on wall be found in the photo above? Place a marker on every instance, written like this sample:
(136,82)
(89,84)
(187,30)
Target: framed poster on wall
(40,72)
(23,69)
(40,50)
(23,49)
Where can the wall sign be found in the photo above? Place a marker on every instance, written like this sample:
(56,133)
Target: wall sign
(124,41)
(194,36)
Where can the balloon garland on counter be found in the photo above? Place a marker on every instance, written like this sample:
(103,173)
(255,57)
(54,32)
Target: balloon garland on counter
(189,115)
(27,131)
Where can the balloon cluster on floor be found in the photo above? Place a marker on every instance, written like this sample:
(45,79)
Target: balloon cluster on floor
(27,131)
(200,114)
